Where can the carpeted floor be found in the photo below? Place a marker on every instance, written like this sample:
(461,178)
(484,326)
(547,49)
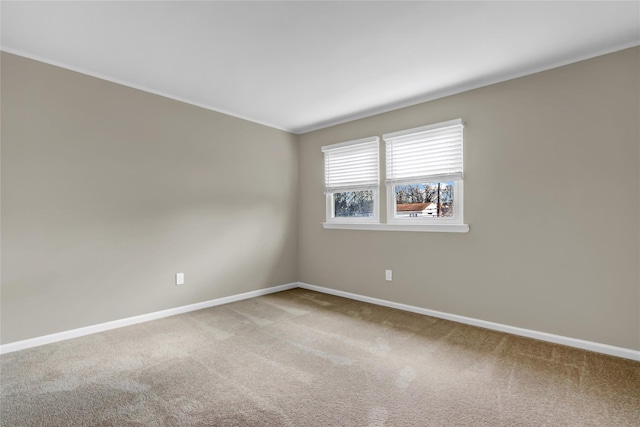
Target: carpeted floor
(300,358)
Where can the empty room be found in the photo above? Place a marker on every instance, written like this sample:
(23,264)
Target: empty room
(320,213)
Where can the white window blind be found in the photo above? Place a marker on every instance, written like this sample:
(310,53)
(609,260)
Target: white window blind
(427,154)
(352,165)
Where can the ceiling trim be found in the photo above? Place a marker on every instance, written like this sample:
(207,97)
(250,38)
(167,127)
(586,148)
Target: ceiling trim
(432,96)
(349,117)
(134,86)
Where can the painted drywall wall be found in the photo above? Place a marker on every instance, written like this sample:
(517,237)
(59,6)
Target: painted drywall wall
(108,192)
(552,192)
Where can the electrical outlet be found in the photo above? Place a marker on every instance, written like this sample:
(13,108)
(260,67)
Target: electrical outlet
(388,275)
(179,278)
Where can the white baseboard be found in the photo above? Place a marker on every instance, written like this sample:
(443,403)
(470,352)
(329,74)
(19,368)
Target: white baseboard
(542,336)
(75,333)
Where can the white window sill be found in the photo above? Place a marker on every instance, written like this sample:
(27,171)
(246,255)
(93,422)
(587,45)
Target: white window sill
(446,228)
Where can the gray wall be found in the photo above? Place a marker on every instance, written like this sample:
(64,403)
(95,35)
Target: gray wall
(108,191)
(552,192)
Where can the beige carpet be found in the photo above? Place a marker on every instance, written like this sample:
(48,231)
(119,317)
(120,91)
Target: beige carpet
(300,358)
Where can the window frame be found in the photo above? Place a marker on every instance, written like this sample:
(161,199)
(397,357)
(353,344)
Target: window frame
(330,216)
(456,219)
(330,209)
(404,172)
(453,224)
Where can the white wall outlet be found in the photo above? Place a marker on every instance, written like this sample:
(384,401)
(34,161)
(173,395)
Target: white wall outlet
(179,278)
(388,274)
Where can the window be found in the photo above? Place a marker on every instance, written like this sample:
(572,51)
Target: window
(351,171)
(424,181)
(424,174)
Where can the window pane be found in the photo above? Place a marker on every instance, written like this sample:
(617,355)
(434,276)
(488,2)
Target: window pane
(353,204)
(425,200)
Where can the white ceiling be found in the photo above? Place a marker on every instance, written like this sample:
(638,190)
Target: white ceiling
(301,66)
